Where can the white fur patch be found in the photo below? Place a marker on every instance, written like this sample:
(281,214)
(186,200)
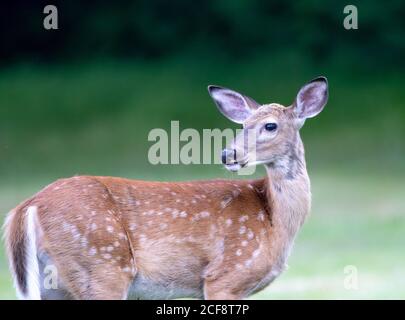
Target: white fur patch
(92,251)
(32,268)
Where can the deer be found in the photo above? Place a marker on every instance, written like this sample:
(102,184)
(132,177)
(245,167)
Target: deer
(116,238)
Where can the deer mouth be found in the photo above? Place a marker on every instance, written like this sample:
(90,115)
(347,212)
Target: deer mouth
(236,166)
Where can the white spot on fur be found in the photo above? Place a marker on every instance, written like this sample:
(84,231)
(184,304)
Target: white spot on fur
(250,234)
(65,226)
(228,222)
(110,248)
(163,226)
(244,243)
(183,214)
(126,269)
(110,229)
(107,256)
(132,226)
(92,251)
(239,252)
(175,213)
(243,218)
(84,242)
(204,214)
(75,232)
(242,230)
(235,193)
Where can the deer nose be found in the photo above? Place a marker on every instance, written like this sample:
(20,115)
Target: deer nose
(228,154)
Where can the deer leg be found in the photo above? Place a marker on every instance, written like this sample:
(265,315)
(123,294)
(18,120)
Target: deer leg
(84,279)
(216,290)
(99,282)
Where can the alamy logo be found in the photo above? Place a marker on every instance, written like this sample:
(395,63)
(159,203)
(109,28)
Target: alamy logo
(188,147)
(351,20)
(351,280)
(51,19)
(51,277)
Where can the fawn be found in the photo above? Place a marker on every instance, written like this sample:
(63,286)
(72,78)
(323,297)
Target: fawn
(114,238)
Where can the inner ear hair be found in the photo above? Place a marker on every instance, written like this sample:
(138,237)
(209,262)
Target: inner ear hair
(312,98)
(234,105)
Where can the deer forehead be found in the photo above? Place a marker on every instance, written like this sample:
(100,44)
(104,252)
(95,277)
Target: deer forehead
(273,111)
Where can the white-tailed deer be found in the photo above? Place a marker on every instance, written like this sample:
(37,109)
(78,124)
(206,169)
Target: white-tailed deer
(113,238)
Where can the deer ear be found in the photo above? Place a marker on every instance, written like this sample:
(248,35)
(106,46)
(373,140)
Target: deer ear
(233,105)
(311,98)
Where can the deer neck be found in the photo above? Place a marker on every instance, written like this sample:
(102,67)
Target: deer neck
(288,192)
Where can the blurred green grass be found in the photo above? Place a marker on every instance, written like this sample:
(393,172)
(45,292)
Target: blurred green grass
(58,121)
(105,110)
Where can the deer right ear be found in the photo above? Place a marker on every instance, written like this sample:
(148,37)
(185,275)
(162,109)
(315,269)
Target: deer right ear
(233,105)
(311,98)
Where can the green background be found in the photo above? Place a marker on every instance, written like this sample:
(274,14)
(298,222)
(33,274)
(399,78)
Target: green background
(82,100)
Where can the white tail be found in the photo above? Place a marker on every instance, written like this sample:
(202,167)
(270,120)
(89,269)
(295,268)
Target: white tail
(113,238)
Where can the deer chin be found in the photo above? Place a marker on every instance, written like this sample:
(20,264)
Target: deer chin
(234,167)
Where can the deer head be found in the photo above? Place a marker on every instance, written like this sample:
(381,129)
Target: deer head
(270,131)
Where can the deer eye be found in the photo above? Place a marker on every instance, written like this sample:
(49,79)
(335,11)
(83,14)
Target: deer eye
(270,126)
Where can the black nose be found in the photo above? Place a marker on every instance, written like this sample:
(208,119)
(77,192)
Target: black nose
(226,154)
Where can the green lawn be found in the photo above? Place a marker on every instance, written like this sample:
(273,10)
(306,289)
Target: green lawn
(357,220)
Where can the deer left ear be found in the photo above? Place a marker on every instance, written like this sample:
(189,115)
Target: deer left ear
(312,98)
(233,105)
